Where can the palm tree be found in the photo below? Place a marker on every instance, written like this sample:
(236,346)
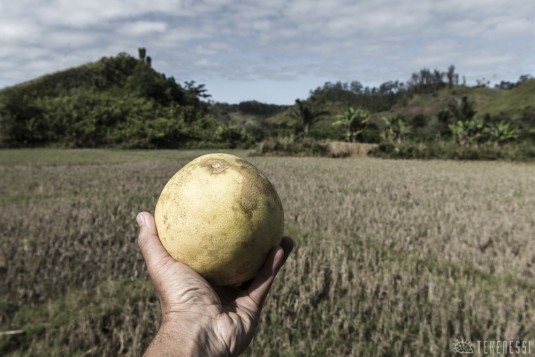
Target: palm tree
(306,115)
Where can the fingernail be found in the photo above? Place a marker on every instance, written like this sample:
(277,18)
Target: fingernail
(281,260)
(140,219)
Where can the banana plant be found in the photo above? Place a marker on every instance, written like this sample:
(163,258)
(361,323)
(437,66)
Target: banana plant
(468,132)
(396,130)
(354,121)
(501,133)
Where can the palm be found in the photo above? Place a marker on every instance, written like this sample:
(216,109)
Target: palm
(233,312)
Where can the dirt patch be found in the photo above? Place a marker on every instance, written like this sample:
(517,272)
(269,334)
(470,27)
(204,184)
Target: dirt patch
(352,150)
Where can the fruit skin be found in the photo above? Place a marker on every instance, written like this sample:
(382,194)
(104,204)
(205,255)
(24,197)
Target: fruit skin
(221,216)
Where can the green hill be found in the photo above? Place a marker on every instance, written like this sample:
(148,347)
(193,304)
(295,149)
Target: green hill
(101,75)
(495,102)
(121,101)
(423,111)
(116,101)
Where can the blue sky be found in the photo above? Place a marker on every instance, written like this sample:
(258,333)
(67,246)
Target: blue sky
(273,51)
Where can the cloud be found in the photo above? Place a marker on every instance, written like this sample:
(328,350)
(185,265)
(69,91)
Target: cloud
(275,41)
(140,28)
(15,31)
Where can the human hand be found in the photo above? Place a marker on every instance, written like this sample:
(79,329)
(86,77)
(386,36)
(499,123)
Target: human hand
(200,319)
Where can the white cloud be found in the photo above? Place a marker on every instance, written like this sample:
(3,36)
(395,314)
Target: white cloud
(139,28)
(520,27)
(14,31)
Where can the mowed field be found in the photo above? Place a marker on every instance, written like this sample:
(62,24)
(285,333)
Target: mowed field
(392,258)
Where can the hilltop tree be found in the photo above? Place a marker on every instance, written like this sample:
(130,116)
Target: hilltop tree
(374,99)
(142,52)
(453,78)
(426,81)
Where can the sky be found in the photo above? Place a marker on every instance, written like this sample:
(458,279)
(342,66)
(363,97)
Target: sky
(273,51)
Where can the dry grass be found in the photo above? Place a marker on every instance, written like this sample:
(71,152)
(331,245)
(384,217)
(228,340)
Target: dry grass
(392,258)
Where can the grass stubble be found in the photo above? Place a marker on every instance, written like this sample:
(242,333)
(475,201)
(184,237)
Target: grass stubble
(393,258)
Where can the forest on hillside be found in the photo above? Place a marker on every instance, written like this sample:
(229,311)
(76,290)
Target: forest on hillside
(122,101)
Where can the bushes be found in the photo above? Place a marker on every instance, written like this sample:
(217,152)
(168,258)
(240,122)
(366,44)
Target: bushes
(446,150)
(451,151)
(88,118)
(290,145)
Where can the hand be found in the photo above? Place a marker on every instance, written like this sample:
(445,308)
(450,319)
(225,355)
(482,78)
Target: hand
(200,319)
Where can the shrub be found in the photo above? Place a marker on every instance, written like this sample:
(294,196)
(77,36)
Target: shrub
(289,145)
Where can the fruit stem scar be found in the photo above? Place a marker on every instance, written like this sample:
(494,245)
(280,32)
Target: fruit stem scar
(216,166)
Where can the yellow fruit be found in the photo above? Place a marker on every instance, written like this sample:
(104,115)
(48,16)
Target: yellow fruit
(221,216)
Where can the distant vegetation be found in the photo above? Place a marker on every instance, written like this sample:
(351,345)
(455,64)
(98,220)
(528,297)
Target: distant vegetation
(122,101)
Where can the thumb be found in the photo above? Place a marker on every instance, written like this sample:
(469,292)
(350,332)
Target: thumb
(149,243)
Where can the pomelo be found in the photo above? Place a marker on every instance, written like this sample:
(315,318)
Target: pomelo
(220,216)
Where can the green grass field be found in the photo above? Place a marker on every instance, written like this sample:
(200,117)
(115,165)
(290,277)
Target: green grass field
(392,258)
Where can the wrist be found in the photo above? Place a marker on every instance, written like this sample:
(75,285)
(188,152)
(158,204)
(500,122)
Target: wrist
(185,337)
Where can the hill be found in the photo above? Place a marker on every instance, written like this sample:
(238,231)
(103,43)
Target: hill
(122,101)
(509,103)
(428,114)
(116,101)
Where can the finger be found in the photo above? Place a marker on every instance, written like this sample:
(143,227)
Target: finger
(149,243)
(261,284)
(288,245)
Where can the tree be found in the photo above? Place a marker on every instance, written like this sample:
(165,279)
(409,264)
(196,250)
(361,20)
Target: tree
(468,132)
(505,85)
(142,52)
(194,92)
(482,83)
(426,81)
(21,121)
(462,109)
(354,122)
(523,79)
(452,77)
(145,82)
(396,130)
(306,115)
